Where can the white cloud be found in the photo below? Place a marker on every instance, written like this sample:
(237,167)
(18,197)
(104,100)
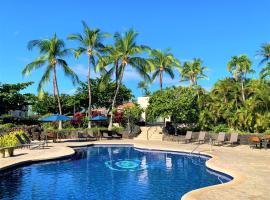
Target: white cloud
(82,70)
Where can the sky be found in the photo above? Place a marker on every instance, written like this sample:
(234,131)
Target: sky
(211,30)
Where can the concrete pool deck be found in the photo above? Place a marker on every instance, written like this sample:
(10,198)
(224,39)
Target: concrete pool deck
(249,167)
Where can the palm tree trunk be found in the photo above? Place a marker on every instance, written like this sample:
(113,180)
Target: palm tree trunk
(243,91)
(89,93)
(116,71)
(115,95)
(161,79)
(57,95)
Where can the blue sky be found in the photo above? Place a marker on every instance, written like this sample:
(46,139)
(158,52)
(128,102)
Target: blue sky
(208,29)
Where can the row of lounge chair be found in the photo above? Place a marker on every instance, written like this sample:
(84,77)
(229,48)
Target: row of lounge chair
(103,134)
(220,140)
(26,142)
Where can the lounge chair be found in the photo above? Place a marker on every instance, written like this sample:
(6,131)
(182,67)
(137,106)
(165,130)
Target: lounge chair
(188,137)
(107,135)
(28,141)
(23,143)
(220,139)
(233,139)
(85,136)
(255,142)
(116,135)
(201,138)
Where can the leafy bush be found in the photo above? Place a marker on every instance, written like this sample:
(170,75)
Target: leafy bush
(178,103)
(9,139)
(6,127)
(221,128)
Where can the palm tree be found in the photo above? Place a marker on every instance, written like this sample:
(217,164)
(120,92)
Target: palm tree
(265,72)
(91,44)
(110,58)
(162,62)
(143,86)
(52,51)
(128,53)
(264,52)
(239,67)
(193,71)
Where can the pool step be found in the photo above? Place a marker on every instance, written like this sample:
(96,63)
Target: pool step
(154,133)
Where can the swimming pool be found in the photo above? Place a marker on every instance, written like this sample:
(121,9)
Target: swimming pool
(117,172)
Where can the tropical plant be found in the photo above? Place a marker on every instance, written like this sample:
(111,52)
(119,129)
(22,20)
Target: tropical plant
(143,85)
(239,67)
(162,62)
(11,97)
(128,53)
(52,51)
(90,42)
(264,53)
(193,71)
(104,92)
(179,103)
(265,72)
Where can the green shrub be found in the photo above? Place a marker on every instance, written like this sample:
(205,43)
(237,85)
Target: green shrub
(9,139)
(6,127)
(221,128)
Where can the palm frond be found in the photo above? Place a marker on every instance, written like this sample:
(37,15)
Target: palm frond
(68,71)
(39,62)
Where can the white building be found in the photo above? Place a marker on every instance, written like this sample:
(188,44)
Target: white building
(143,103)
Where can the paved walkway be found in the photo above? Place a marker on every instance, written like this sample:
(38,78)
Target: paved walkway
(250,167)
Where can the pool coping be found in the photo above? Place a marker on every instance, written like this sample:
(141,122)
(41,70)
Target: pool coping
(191,195)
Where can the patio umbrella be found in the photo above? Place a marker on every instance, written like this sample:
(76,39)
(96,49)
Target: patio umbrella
(99,118)
(54,118)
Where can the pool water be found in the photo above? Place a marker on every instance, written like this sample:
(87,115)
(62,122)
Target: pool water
(113,173)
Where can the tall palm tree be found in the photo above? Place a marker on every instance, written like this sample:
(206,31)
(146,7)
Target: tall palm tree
(264,53)
(265,72)
(162,62)
(128,53)
(239,67)
(90,42)
(193,71)
(52,51)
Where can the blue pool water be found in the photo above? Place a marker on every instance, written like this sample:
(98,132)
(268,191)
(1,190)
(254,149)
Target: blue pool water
(111,173)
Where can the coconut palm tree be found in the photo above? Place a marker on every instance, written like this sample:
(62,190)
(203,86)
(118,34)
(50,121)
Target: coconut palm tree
(193,71)
(110,58)
(264,53)
(128,53)
(265,72)
(162,62)
(239,67)
(52,51)
(90,43)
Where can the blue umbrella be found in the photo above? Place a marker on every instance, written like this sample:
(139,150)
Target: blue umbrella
(99,118)
(53,118)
